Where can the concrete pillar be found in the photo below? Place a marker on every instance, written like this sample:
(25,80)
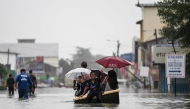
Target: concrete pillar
(169,85)
(163,79)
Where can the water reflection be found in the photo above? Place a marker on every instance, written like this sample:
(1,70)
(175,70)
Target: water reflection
(96,105)
(61,98)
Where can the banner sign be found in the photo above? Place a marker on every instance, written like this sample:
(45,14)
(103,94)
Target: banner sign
(127,56)
(39,63)
(144,71)
(31,63)
(175,65)
(158,53)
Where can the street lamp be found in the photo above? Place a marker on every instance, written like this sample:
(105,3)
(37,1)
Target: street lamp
(118,45)
(172,42)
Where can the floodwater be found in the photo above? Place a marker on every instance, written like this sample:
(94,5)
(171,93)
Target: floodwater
(62,98)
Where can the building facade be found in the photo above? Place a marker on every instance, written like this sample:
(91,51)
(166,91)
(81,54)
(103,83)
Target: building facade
(150,24)
(8,59)
(42,58)
(150,21)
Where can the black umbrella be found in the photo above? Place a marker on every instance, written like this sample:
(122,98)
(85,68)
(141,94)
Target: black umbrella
(98,72)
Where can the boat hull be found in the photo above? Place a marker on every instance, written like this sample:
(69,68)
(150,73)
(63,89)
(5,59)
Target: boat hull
(108,97)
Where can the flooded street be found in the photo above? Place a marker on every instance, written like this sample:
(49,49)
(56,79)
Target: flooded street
(61,98)
(95,46)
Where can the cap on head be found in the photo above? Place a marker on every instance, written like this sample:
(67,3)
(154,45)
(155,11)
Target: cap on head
(84,64)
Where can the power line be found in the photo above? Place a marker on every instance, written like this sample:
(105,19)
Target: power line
(150,37)
(124,49)
(53,50)
(126,46)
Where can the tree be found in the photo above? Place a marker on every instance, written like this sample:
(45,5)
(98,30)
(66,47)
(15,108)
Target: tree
(176,15)
(84,54)
(3,70)
(66,67)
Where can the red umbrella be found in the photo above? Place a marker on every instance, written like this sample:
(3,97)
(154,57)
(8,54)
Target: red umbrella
(113,62)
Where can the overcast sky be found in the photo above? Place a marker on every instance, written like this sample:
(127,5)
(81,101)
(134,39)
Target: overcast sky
(71,23)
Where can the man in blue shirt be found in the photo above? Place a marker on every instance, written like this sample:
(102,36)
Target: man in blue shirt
(23,81)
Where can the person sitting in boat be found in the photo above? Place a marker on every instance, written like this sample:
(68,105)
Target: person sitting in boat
(79,86)
(81,82)
(83,65)
(112,82)
(104,81)
(94,86)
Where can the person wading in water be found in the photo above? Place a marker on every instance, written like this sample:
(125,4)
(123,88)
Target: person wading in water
(33,78)
(23,81)
(10,84)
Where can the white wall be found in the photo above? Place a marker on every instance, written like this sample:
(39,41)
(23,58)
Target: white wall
(32,49)
(54,61)
(12,60)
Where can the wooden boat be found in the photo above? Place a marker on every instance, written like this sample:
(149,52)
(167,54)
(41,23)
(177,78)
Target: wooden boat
(111,96)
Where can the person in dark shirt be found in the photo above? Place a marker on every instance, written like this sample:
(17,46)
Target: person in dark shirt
(94,86)
(81,83)
(79,86)
(112,80)
(10,84)
(83,65)
(33,78)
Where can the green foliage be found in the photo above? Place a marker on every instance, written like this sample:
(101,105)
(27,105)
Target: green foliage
(3,70)
(84,54)
(66,67)
(176,15)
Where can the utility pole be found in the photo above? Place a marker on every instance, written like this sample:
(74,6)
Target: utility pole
(118,46)
(155,34)
(8,57)
(117,53)
(172,42)
(113,55)
(175,53)
(7,65)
